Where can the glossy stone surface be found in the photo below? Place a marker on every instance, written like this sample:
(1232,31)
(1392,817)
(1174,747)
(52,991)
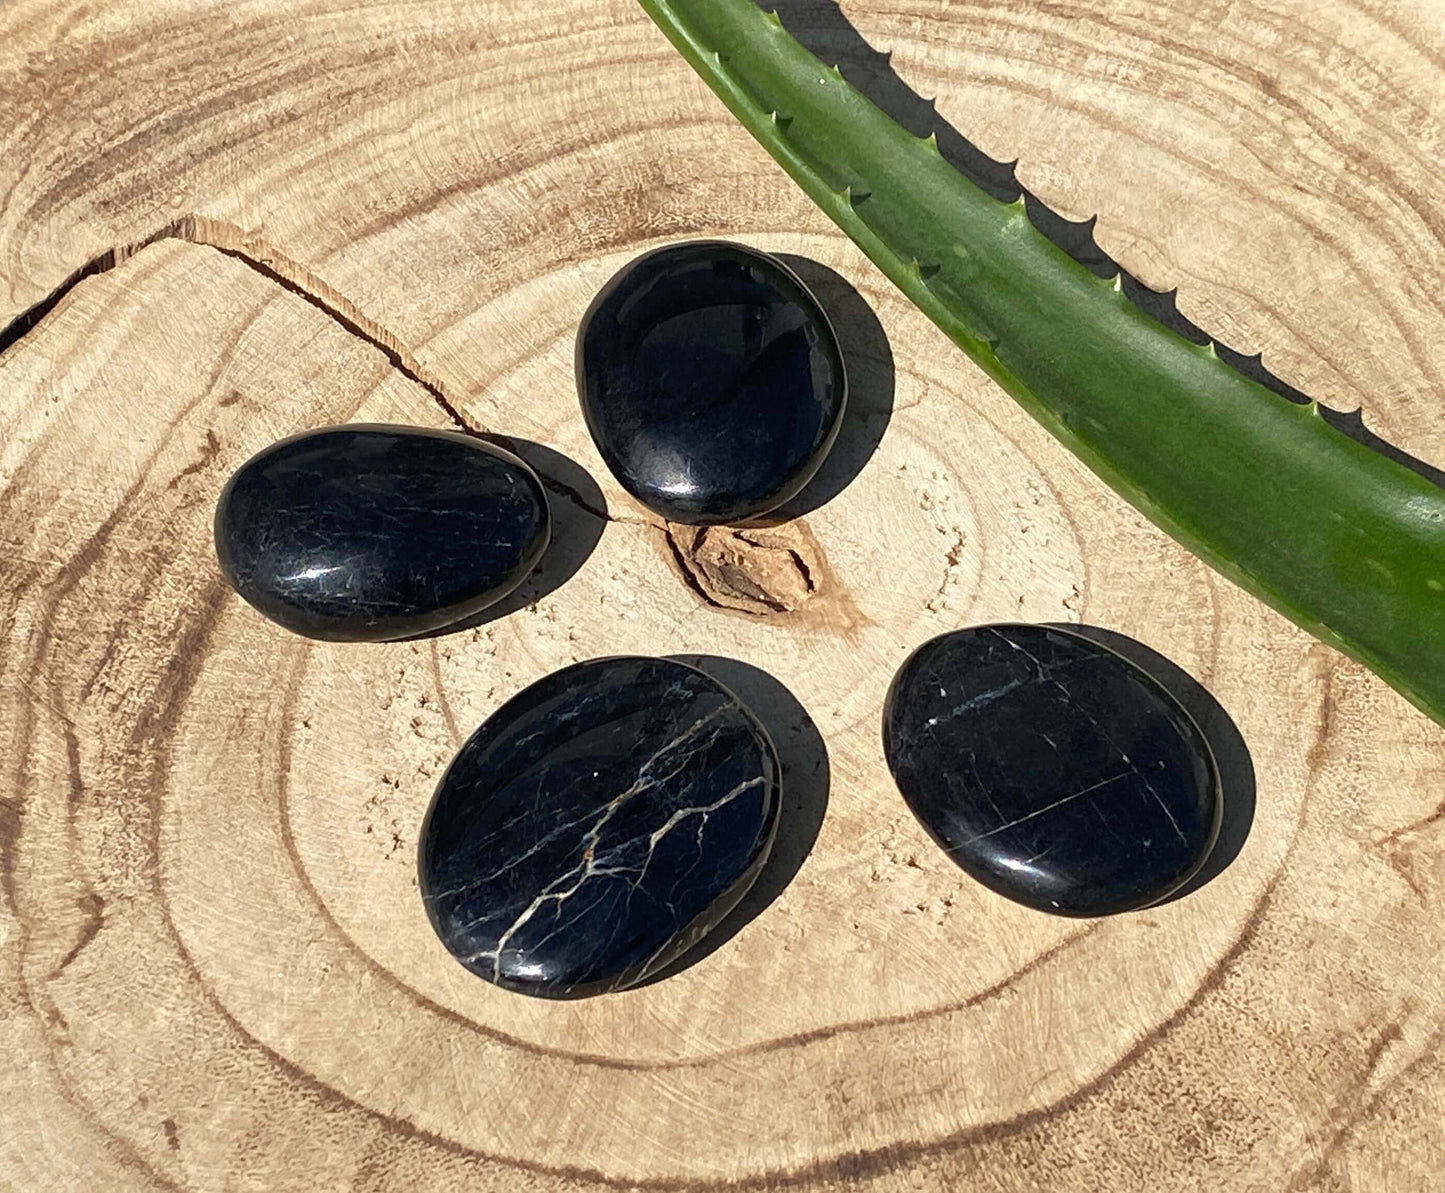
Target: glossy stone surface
(369,533)
(597,825)
(1052,769)
(711,381)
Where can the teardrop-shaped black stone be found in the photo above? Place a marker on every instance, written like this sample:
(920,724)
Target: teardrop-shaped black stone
(1052,769)
(367,533)
(711,381)
(597,825)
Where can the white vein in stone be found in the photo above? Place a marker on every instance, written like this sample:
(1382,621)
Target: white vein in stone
(588,867)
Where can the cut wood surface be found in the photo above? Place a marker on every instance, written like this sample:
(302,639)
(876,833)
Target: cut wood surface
(224,223)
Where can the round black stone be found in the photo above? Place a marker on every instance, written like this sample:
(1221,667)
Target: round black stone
(711,381)
(1052,769)
(370,533)
(598,825)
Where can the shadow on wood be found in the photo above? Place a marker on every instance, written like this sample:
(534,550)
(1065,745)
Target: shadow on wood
(805,779)
(579,512)
(1231,754)
(868,360)
(821,26)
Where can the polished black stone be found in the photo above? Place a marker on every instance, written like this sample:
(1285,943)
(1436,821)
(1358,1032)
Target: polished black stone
(371,533)
(597,825)
(711,381)
(1053,770)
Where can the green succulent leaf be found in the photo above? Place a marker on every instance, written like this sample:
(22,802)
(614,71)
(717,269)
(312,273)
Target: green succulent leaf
(1342,540)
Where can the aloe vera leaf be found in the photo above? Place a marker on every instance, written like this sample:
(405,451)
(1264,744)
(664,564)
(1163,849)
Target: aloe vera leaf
(1344,541)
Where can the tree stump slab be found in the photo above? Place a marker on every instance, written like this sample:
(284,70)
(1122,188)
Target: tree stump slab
(225,223)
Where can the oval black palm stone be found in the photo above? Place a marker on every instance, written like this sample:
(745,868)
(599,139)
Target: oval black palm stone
(1053,770)
(711,381)
(366,533)
(597,825)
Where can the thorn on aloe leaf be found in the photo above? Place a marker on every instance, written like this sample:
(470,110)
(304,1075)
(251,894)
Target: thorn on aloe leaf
(1176,437)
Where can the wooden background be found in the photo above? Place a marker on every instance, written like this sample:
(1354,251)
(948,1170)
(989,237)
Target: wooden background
(215,973)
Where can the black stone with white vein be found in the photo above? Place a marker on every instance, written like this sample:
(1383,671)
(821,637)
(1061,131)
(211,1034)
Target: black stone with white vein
(711,380)
(1052,769)
(367,532)
(597,825)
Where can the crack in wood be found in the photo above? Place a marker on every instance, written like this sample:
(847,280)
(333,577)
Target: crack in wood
(295,278)
(759,571)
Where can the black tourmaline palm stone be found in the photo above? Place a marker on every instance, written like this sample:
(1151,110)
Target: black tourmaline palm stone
(368,533)
(711,381)
(597,825)
(1052,769)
